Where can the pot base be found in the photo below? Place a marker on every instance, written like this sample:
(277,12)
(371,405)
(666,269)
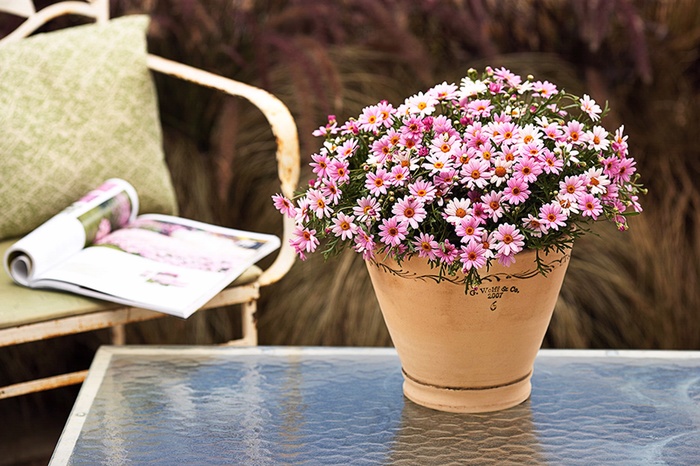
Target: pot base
(467,400)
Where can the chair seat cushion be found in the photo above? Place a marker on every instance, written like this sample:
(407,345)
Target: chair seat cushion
(78,106)
(20,305)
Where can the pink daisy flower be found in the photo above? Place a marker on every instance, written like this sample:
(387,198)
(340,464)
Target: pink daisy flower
(409,210)
(318,203)
(573,131)
(399,175)
(423,190)
(447,252)
(597,138)
(386,112)
(413,125)
(508,76)
(476,173)
(552,216)
(442,126)
(456,210)
(527,169)
(619,143)
(469,229)
(553,131)
(284,205)
(590,206)
(550,163)
(444,91)
(393,136)
(331,192)
(516,191)
(392,231)
(530,150)
(492,201)
(377,182)
(447,146)
(302,210)
(596,181)
(338,171)
(572,188)
(381,150)
(346,149)
(544,88)
(303,240)
(534,225)
(625,170)
(343,226)
(506,261)
(367,208)
(421,104)
(437,162)
(611,166)
(505,132)
(320,164)
(501,171)
(486,151)
(370,119)
(487,242)
(350,127)
(364,244)
(330,128)
(444,179)
(426,246)
(508,240)
(479,108)
(472,256)
(410,141)
(479,212)
(589,106)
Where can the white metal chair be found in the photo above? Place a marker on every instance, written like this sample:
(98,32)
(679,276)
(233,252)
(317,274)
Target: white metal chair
(30,315)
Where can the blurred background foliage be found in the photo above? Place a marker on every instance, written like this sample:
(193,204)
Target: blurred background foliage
(624,290)
(637,289)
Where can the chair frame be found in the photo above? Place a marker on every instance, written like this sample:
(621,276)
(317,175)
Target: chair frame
(283,128)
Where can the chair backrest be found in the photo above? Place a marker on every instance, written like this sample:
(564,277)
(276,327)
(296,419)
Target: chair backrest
(97,9)
(277,114)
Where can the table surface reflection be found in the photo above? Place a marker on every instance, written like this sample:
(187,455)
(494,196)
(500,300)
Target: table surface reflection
(292,405)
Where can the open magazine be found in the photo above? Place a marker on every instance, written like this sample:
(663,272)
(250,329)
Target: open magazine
(99,247)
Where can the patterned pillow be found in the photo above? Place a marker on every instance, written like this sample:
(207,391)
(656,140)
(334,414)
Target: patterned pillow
(78,106)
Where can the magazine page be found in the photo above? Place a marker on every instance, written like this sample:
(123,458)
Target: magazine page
(108,207)
(163,263)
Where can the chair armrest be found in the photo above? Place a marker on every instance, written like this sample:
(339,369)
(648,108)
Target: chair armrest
(283,128)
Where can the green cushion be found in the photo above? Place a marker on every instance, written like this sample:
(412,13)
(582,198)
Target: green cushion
(78,106)
(20,305)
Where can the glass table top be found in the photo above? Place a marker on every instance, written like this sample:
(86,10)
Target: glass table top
(289,405)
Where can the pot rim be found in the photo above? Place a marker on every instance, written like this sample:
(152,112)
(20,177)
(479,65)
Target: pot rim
(497,271)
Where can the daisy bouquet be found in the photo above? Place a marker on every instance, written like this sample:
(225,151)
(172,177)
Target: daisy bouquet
(465,175)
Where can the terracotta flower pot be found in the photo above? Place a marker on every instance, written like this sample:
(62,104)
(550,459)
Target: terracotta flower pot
(467,352)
